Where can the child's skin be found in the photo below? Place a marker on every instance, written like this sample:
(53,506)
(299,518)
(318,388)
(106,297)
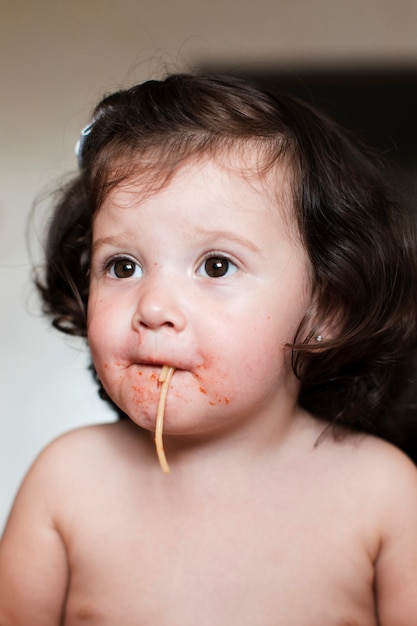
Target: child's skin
(261,522)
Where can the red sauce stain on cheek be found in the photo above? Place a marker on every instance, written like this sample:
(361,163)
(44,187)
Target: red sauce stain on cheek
(223,400)
(138,390)
(142,398)
(145,390)
(114,366)
(212,380)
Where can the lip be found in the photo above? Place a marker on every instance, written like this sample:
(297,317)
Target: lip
(156,366)
(158,363)
(177,363)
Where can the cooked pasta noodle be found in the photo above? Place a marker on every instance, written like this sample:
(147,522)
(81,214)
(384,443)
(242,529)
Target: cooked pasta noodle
(164,378)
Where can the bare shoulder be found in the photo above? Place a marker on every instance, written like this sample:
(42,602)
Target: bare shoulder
(393,476)
(33,555)
(99,434)
(88,447)
(59,485)
(392,492)
(73,459)
(364,450)
(382,477)
(373,485)
(378,475)
(382,463)
(73,463)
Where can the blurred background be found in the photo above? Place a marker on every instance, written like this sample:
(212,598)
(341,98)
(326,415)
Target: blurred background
(355,58)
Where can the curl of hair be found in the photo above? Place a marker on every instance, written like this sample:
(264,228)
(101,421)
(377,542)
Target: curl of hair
(361,243)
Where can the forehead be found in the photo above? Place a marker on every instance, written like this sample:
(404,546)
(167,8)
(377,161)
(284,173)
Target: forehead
(241,179)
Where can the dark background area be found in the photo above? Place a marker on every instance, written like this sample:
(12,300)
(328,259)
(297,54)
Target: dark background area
(380,106)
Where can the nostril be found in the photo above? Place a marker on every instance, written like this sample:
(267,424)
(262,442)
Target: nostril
(158,308)
(150,324)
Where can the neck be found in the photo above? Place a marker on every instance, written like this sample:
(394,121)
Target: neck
(256,443)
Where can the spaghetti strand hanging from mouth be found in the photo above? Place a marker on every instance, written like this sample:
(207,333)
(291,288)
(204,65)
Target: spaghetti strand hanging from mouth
(164,378)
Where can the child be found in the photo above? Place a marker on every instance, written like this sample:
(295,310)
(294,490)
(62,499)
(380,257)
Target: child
(243,243)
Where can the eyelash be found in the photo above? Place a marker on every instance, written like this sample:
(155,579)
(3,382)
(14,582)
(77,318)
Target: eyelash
(221,259)
(109,266)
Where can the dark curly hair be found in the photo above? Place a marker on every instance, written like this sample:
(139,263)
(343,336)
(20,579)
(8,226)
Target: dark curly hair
(361,243)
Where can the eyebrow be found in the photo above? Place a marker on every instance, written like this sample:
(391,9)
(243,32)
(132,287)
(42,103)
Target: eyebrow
(226,234)
(112,240)
(119,241)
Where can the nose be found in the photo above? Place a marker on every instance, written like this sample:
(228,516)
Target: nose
(159,305)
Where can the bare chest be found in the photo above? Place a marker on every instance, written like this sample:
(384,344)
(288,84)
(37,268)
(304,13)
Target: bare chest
(244,564)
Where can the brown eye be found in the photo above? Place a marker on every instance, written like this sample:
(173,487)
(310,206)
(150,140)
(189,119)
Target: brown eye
(124,268)
(218,267)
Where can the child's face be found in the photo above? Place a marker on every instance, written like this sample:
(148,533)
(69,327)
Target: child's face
(206,275)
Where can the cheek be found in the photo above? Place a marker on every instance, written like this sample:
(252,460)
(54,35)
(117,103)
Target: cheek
(255,350)
(96,322)
(216,382)
(244,367)
(97,343)
(108,365)
(105,326)
(140,398)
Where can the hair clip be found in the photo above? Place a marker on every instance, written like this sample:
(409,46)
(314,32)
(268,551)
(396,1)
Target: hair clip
(86,131)
(81,141)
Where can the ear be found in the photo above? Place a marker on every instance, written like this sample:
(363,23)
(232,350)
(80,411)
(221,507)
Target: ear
(320,325)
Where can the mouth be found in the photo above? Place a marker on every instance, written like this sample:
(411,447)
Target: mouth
(150,366)
(155,371)
(159,364)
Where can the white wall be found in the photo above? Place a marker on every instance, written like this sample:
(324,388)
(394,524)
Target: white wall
(56,59)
